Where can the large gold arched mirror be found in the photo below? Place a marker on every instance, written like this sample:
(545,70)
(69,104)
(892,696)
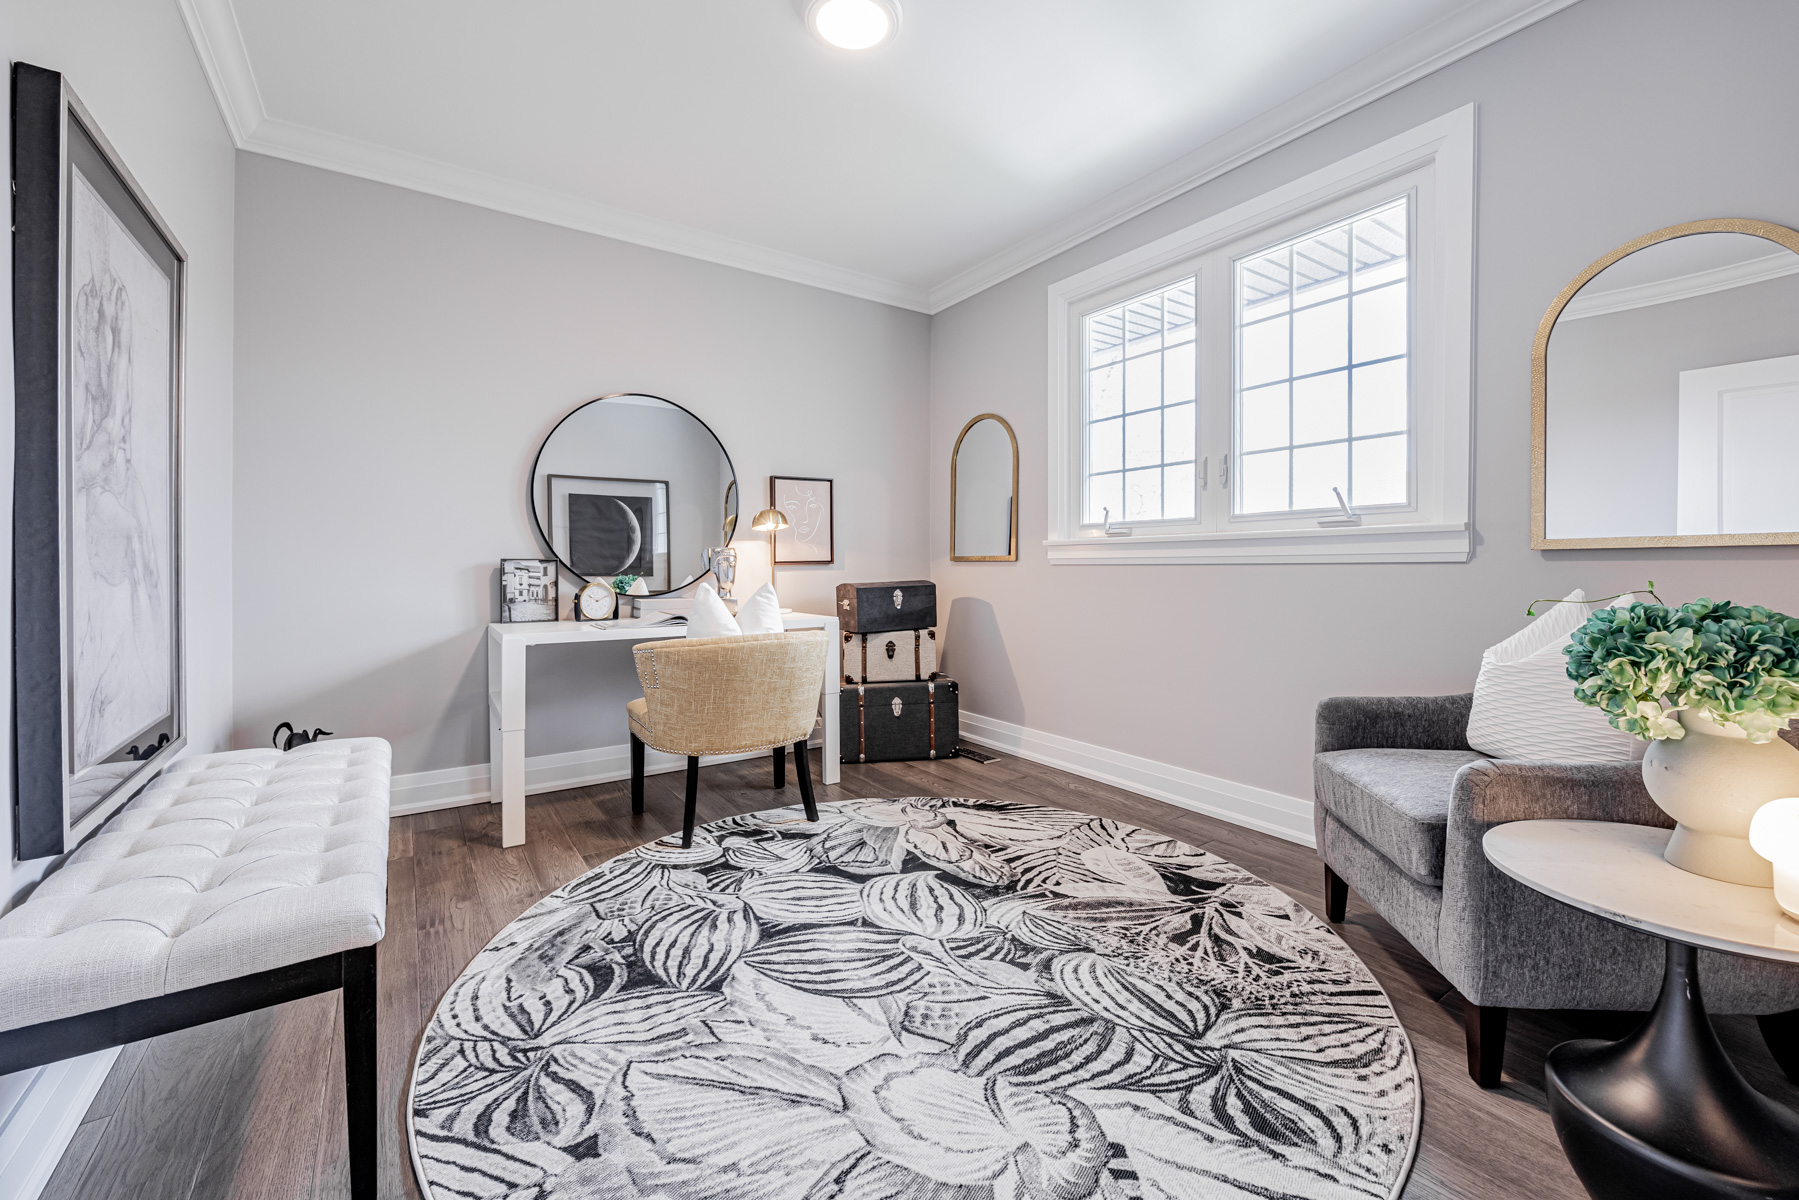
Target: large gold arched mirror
(1666,394)
(983,492)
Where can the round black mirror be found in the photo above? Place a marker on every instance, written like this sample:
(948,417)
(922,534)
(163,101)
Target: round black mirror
(634,485)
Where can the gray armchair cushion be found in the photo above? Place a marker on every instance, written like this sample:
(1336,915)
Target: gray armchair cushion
(1393,723)
(1395,800)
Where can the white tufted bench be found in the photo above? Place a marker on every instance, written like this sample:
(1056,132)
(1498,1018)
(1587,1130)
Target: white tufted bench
(233,882)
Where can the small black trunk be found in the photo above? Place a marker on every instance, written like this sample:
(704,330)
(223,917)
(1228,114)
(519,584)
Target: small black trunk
(896,722)
(879,607)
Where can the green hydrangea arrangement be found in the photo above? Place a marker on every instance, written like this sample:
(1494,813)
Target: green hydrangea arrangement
(622,583)
(1644,664)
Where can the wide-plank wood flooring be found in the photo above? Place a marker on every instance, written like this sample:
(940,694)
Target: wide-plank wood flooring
(252,1107)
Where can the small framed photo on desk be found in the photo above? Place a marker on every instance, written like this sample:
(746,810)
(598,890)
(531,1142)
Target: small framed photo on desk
(528,589)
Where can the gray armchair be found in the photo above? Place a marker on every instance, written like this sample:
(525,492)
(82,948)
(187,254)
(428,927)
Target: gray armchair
(1402,805)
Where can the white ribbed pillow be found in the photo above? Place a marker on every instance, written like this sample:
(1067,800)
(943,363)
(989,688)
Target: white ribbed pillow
(1524,705)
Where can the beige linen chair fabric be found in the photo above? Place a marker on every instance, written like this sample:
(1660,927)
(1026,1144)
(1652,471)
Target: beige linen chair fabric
(728,695)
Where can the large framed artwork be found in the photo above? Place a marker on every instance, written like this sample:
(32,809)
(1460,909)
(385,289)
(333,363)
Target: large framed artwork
(603,528)
(99,692)
(806,503)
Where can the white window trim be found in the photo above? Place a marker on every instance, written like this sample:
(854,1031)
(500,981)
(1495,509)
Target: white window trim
(1438,526)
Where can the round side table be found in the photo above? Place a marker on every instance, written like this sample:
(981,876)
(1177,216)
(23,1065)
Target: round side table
(1663,1112)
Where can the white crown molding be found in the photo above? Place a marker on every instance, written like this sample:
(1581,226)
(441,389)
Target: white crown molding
(218,41)
(1472,28)
(212,26)
(1681,287)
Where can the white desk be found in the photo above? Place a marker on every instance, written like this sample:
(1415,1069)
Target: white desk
(507,656)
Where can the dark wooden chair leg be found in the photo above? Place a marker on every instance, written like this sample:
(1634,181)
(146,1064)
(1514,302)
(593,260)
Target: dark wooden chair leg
(693,798)
(802,766)
(1336,896)
(1781,1032)
(636,775)
(1485,1027)
(361,1102)
(780,753)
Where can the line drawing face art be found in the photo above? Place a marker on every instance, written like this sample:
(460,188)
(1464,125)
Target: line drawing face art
(806,503)
(120,448)
(804,510)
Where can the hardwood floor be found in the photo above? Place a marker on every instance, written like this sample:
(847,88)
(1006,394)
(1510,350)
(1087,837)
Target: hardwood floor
(252,1108)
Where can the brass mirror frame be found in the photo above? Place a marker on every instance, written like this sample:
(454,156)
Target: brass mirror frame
(1539,398)
(1012,556)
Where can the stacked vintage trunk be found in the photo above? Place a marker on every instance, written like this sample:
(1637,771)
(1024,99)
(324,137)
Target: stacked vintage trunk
(895,704)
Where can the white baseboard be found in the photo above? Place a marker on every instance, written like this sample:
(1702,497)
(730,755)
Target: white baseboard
(40,1110)
(428,791)
(1256,808)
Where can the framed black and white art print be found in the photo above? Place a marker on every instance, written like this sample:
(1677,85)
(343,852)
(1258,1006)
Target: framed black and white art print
(806,503)
(528,590)
(604,528)
(99,693)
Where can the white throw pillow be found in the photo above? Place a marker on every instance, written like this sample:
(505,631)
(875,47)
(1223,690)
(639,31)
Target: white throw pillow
(710,617)
(1524,705)
(761,613)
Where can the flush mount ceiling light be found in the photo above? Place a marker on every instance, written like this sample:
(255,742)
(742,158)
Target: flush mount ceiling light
(851,24)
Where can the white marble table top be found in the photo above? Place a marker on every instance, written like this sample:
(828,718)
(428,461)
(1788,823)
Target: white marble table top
(1618,872)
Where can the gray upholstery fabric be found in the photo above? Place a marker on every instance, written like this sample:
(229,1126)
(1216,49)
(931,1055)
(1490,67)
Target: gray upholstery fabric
(226,865)
(1498,942)
(1413,908)
(1397,800)
(1393,723)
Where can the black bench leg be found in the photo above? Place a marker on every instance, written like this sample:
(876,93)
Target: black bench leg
(636,775)
(1781,1032)
(802,766)
(1484,1026)
(1336,896)
(360,1074)
(780,753)
(693,799)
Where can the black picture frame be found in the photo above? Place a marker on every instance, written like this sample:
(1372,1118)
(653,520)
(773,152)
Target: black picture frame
(99,679)
(785,539)
(547,606)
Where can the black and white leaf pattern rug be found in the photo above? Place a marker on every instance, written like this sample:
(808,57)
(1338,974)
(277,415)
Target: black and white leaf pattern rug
(915,999)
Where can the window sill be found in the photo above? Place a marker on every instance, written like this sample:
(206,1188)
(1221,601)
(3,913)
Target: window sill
(1360,544)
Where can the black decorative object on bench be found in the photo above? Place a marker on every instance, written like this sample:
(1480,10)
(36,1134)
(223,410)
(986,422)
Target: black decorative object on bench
(296,737)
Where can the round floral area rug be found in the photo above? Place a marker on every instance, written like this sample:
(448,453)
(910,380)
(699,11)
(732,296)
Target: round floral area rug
(915,999)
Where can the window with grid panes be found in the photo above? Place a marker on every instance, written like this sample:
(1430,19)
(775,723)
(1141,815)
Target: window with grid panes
(1141,392)
(1322,396)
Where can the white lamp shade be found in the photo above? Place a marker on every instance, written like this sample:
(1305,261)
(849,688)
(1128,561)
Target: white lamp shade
(1774,834)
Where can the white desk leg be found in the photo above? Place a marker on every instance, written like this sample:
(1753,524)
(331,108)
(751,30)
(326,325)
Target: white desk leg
(506,737)
(830,701)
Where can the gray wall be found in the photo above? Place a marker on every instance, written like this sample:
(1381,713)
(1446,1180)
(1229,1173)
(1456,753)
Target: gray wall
(1608,120)
(133,66)
(400,357)
(1614,386)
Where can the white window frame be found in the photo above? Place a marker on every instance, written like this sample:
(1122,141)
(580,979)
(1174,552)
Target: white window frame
(1434,163)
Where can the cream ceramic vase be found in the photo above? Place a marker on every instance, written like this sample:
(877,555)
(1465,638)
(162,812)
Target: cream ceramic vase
(1711,781)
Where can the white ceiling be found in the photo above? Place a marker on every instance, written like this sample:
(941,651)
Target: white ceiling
(988,135)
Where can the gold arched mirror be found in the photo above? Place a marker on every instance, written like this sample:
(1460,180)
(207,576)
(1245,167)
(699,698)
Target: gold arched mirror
(1665,383)
(983,492)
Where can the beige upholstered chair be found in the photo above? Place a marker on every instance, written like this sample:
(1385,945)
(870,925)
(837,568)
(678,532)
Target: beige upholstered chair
(727,695)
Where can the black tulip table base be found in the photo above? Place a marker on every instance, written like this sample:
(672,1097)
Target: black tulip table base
(1665,1113)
